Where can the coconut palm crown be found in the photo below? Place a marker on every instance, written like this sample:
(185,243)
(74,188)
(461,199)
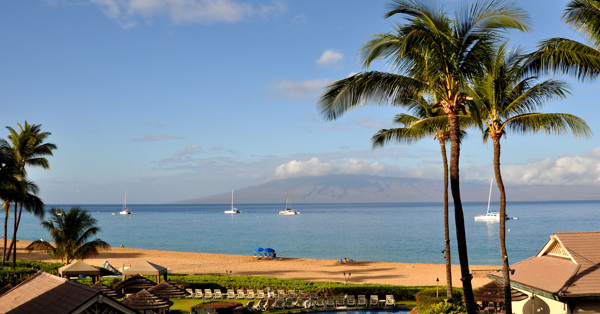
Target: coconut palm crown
(72,233)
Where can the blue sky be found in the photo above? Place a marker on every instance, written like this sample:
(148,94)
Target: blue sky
(178,99)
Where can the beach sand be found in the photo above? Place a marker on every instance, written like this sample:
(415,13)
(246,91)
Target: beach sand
(405,274)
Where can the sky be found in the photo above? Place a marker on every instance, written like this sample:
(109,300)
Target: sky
(178,99)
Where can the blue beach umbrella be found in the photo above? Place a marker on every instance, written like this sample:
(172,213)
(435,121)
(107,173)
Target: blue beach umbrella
(268,252)
(258,251)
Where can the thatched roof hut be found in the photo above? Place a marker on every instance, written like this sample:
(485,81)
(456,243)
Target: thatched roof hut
(166,290)
(144,300)
(107,290)
(134,284)
(494,292)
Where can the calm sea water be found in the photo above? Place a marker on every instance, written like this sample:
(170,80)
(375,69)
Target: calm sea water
(398,232)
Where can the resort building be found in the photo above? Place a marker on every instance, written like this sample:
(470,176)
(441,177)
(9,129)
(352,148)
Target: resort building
(46,293)
(564,277)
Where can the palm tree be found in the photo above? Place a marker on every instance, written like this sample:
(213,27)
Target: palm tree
(568,56)
(425,123)
(29,149)
(506,98)
(436,55)
(9,178)
(72,233)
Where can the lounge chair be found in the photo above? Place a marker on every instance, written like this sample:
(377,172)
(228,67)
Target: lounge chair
(374,300)
(240,294)
(389,300)
(199,294)
(218,294)
(281,293)
(362,300)
(278,303)
(289,303)
(260,306)
(260,294)
(202,311)
(299,302)
(340,301)
(301,294)
(313,295)
(292,294)
(191,293)
(250,294)
(231,294)
(250,305)
(320,302)
(350,300)
(330,302)
(208,294)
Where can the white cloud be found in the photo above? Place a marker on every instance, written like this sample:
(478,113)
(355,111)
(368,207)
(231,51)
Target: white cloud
(299,90)
(155,138)
(583,169)
(330,58)
(315,167)
(126,12)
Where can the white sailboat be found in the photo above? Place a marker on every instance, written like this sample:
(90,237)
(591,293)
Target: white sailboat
(125,210)
(491,215)
(288,207)
(233,210)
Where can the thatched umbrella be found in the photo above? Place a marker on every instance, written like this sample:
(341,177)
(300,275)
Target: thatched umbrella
(145,300)
(166,290)
(494,292)
(134,284)
(106,290)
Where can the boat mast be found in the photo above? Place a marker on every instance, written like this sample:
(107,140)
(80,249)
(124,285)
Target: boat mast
(125,201)
(231,199)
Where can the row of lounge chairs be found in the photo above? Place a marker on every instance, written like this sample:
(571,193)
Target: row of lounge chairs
(291,299)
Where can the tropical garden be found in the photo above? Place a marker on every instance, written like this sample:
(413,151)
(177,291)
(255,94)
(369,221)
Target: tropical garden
(449,74)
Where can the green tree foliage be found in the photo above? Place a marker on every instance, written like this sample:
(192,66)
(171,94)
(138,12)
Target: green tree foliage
(72,233)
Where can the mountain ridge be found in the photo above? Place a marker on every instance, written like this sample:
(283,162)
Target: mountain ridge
(344,188)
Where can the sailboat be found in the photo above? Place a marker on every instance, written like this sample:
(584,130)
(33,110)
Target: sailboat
(233,210)
(288,207)
(125,210)
(491,215)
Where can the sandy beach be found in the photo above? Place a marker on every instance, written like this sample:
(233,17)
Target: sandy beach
(297,268)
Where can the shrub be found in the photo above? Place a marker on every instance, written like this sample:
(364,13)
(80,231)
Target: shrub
(427,300)
(222,307)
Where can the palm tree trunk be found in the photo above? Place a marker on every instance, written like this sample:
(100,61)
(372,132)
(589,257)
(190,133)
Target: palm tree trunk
(18,221)
(446,222)
(14,239)
(7,211)
(461,239)
(12,242)
(502,228)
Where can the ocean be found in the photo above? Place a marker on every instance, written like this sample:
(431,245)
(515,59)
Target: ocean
(390,232)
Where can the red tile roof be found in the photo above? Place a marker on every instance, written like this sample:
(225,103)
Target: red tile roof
(567,266)
(46,293)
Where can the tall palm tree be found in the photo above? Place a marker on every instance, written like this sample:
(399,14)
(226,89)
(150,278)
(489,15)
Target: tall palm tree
(9,178)
(425,123)
(436,55)
(29,149)
(72,233)
(507,97)
(569,56)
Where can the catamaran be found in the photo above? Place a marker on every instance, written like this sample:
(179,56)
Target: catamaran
(125,211)
(491,215)
(288,207)
(233,210)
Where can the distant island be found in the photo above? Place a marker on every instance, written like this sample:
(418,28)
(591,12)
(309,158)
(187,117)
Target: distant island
(378,189)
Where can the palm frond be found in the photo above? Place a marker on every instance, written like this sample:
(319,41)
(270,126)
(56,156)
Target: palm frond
(550,124)
(564,56)
(584,17)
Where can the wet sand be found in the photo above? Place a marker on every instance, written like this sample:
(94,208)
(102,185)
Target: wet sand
(405,274)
